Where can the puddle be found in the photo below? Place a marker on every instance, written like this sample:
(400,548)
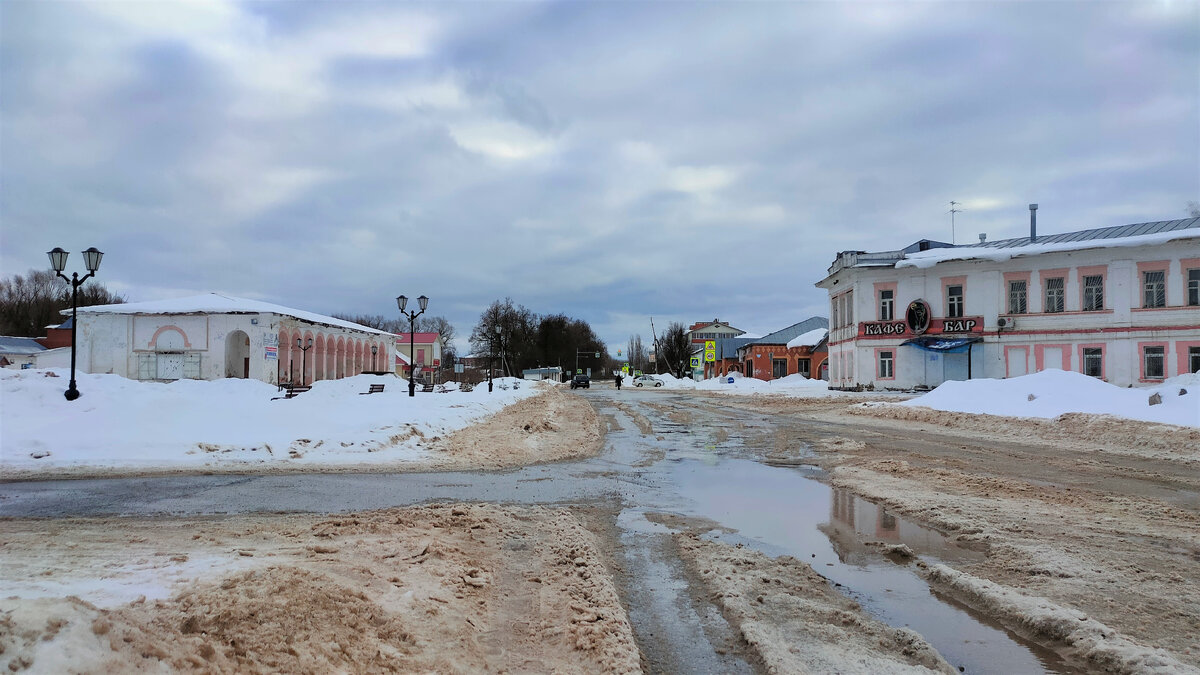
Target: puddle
(779,511)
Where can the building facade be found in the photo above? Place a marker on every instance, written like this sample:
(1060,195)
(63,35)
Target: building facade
(213,336)
(777,355)
(1120,303)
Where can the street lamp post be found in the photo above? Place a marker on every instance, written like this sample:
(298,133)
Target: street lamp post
(304,360)
(374,351)
(58,261)
(412,330)
(492,361)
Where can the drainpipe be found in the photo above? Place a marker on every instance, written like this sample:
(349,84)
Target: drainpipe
(1032,223)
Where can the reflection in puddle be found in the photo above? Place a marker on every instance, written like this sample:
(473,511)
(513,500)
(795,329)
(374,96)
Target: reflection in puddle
(779,511)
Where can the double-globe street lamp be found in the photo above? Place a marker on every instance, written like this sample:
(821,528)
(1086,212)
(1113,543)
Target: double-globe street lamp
(58,262)
(303,359)
(412,330)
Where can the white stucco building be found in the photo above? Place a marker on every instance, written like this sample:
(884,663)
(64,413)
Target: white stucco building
(1119,303)
(215,336)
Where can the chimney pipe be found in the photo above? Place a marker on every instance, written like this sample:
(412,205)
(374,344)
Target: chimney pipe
(1032,223)
(982,237)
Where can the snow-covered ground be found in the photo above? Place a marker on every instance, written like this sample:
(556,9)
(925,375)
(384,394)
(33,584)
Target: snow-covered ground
(227,424)
(792,385)
(1051,393)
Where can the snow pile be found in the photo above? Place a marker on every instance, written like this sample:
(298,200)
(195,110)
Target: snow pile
(792,385)
(931,257)
(670,381)
(225,424)
(1051,393)
(810,339)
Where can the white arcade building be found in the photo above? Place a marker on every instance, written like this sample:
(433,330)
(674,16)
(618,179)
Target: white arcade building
(215,336)
(1118,303)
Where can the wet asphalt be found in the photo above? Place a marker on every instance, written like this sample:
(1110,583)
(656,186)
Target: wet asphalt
(699,461)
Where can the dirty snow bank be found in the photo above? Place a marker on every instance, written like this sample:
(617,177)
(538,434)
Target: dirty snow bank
(1051,393)
(1089,640)
(228,424)
(792,385)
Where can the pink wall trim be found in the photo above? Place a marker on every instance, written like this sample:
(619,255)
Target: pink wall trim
(1103,357)
(163,329)
(1008,359)
(886,286)
(1039,357)
(1181,355)
(895,360)
(952,281)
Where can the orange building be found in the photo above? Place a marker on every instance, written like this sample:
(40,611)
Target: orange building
(799,348)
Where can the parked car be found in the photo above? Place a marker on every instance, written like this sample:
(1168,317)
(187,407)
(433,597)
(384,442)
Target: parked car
(647,381)
(581,381)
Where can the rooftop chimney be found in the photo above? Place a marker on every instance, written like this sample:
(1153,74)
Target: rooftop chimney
(982,237)
(1032,223)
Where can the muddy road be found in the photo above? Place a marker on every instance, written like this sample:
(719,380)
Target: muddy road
(744,535)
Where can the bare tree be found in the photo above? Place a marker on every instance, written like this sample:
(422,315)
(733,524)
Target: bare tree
(638,357)
(376,321)
(674,349)
(30,303)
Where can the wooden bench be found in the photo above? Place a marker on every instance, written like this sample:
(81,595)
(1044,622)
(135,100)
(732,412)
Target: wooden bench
(428,387)
(295,391)
(375,389)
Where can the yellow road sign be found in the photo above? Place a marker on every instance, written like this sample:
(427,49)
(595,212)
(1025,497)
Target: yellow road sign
(710,345)
(710,355)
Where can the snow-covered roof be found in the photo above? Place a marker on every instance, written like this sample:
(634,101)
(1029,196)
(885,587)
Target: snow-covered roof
(784,335)
(20,345)
(1007,249)
(810,339)
(215,303)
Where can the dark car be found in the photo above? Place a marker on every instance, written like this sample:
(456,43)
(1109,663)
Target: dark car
(581,381)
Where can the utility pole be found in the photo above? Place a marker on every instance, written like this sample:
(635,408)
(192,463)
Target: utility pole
(953,210)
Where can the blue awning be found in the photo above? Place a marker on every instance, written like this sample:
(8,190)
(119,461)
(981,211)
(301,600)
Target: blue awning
(933,343)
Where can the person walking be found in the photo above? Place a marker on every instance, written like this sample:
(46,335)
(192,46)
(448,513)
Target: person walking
(618,381)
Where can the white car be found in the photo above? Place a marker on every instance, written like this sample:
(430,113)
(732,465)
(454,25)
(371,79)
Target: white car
(647,381)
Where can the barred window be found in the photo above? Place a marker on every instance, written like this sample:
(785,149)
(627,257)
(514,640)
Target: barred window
(1154,289)
(1193,287)
(1093,362)
(1055,294)
(1017,301)
(1194,359)
(1093,293)
(1153,358)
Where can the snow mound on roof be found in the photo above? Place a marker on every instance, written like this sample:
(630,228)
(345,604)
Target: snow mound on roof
(927,259)
(1051,393)
(810,339)
(225,424)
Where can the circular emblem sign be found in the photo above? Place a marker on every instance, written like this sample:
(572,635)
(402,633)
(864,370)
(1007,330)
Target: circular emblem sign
(917,316)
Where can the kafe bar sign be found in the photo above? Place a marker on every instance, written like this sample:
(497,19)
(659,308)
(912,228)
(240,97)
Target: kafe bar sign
(918,321)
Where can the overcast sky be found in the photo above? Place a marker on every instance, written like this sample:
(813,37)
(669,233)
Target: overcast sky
(609,160)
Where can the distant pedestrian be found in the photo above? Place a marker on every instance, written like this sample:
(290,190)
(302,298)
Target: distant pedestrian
(618,381)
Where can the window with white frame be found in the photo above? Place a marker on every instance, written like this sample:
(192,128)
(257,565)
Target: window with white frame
(1055,294)
(1154,362)
(887,304)
(887,363)
(1093,292)
(1093,361)
(1017,299)
(1154,288)
(954,301)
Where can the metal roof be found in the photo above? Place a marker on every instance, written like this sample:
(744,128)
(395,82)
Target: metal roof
(785,335)
(20,345)
(1115,232)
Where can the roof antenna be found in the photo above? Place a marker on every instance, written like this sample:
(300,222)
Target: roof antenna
(953,210)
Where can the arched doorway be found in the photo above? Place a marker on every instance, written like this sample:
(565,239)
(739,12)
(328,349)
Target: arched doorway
(237,354)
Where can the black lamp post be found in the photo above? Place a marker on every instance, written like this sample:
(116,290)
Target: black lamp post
(412,329)
(374,351)
(58,261)
(304,360)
